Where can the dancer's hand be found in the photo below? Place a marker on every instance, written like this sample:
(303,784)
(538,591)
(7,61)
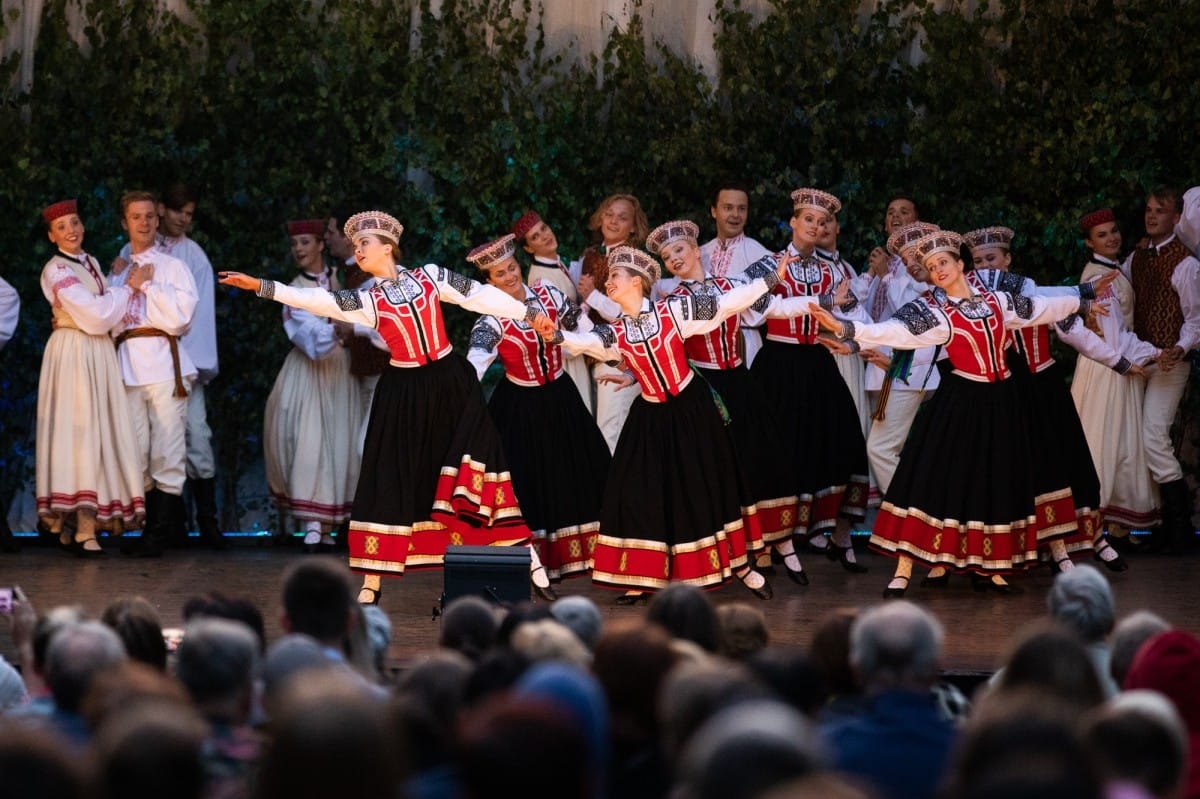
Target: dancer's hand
(544,326)
(880,359)
(621,381)
(835,346)
(239,281)
(827,320)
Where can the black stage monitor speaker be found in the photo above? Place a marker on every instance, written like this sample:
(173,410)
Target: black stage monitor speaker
(498,574)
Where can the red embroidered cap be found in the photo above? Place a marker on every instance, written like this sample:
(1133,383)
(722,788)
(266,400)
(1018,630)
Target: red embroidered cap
(526,223)
(311,227)
(61,208)
(1099,217)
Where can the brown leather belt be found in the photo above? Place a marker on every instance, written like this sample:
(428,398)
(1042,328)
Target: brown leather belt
(173,341)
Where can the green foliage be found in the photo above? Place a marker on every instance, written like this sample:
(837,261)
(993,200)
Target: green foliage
(457,120)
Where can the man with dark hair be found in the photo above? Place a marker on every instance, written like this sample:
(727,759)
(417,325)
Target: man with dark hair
(1166,312)
(731,251)
(157,370)
(319,600)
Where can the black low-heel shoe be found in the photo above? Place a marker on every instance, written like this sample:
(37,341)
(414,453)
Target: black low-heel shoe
(633,599)
(983,584)
(373,599)
(798,577)
(896,593)
(764,593)
(842,555)
(1117,564)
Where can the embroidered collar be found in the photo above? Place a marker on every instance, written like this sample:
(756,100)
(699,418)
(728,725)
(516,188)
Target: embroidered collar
(1102,261)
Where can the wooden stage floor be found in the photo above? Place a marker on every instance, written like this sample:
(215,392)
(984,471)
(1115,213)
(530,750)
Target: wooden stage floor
(979,627)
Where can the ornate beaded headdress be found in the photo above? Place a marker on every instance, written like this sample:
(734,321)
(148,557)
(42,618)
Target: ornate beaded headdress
(634,260)
(815,198)
(989,237)
(904,237)
(938,241)
(1097,217)
(373,223)
(671,231)
(485,256)
(61,208)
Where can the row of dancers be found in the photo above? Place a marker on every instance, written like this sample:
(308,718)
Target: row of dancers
(716,463)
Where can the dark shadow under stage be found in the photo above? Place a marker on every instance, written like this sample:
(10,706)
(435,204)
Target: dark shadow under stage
(979,627)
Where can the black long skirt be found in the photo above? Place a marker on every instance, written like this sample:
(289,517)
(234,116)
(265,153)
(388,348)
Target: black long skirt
(759,458)
(559,463)
(433,472)
(815,425)
(672,506)
(962,495)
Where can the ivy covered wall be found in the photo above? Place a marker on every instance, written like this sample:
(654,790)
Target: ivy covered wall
(458,120)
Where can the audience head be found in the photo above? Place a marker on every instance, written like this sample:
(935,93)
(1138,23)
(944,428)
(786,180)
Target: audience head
(1170,664)
(319,600)
(523,746)
(35,765)
(896,646)
(694,692)
(136,623)
(1127,638)
(743,630)
(1138,738)
(577,693)
(770,742)
(830,652)
(47,625)
(125,685)
(631,662)
(1051,659)
(548,640)
(216,604)
(151,750)
(1026,746)
(76,655)
(217,663)
(287,659)
(469,626)
(426,705)
(330,738)
(791,675)
(508,620)
(1082,600)
(12,688)
(685,612)
(581,616)
(496,672)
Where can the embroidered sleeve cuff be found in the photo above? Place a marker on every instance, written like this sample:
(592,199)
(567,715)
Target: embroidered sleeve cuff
(1087,291)
(531,314)
(854,346)
(1085,305)
(266,289)
(1123,366)
(764,268)
(847,331)
(825,301)
(558,337)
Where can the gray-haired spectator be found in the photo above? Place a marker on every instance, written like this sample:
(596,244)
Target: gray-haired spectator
(747,749)
(546,640)
(12,688)
(1082,600)
(1138,742)
(1127,638)
(900,743)
(76,656)
(217,664)
(581,616)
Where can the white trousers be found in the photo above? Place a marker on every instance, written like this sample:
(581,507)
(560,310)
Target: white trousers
(612,406)
(160,424)
(1164,390)
(886,437)
(201,464)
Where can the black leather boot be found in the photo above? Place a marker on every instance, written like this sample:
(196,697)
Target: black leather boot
(204,492)
(1177,530)
(150,543)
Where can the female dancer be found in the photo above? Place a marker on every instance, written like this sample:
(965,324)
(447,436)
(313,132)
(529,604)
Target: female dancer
(962,496)
(1109,398)
(87,453)
(618,221)
(314,407)
(432,471)
(815,421)
(1066,485)
(714,356)
(672,507)
(550,440)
